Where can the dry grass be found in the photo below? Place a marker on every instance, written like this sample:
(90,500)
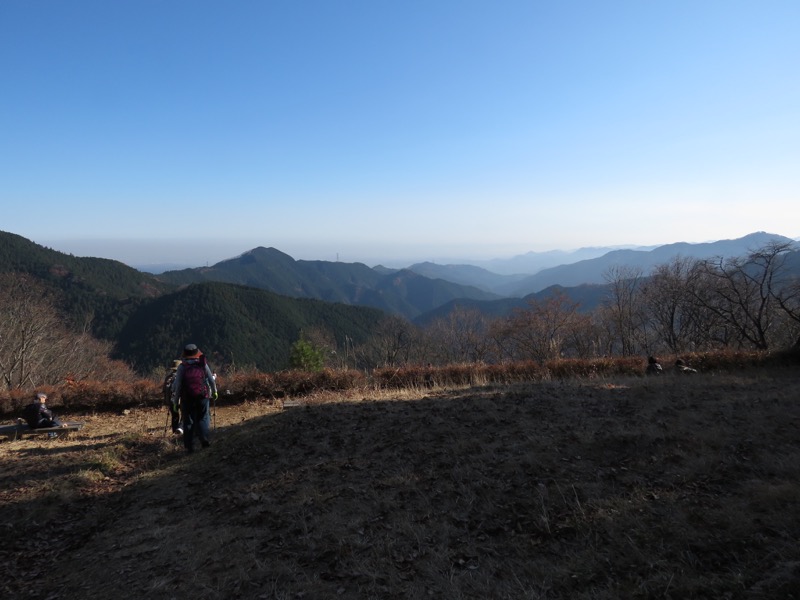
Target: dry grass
(606,488)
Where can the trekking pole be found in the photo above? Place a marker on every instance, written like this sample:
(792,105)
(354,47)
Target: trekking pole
(214,402)
(167,423)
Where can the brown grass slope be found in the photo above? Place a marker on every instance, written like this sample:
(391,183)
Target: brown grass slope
(651,488)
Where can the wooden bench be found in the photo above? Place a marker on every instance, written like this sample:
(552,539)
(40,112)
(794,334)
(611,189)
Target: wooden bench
(15,432)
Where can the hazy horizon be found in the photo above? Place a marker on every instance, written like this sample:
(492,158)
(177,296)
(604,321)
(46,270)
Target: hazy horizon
(156,254)
(153,253)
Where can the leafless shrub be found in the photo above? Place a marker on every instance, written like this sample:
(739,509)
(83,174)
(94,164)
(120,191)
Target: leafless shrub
(38,349)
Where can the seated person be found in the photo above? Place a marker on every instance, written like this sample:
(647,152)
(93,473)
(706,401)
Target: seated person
(653,366)
(38,415)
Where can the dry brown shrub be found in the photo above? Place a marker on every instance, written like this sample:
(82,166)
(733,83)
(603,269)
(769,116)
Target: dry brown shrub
(14,400)
(517,371)
(104,395)
(85,395)
(244,385)
(248,385)
(564,368)
(445,376)
(461,374)
(301,383)
(724,360)
(402,377)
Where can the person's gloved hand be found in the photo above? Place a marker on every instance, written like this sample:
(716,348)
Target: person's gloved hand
(215,395)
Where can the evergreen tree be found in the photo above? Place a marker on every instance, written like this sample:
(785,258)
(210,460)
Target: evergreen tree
(306,356)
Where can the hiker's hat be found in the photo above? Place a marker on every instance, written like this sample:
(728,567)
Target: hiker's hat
(41,396)
(190,351)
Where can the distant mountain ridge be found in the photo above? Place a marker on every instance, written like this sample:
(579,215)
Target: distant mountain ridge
(466,275)
(533,262)
(399,291)
(592,270)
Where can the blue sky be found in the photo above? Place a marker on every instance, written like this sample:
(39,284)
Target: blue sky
(393,131)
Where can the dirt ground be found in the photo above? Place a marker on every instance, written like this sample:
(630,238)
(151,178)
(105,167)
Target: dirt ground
(668,487)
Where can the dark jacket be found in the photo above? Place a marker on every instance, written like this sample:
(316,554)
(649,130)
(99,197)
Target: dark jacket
(36,414)
(654,369)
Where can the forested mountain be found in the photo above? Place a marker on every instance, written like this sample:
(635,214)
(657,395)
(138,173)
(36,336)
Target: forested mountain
(241,326)
(106,291)
(466,275)
(102,275)
(588,297)
(400,292)
(149,320)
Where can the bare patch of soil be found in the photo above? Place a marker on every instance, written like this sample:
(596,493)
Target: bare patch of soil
(668,487)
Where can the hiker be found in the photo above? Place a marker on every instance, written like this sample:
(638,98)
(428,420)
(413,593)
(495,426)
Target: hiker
(174,411)
(653,366)
(683,368)
(194,386)
(37,415)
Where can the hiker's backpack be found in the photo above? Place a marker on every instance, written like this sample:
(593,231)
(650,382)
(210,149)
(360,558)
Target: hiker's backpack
(193,385)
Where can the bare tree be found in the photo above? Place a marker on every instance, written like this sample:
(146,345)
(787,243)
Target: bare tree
(27,322)
(584,337)
(541,331)
(787,293)
(392,344)
(670,298)
(628,322)
(461,336)
(36,346)
(743,292)
(502,346)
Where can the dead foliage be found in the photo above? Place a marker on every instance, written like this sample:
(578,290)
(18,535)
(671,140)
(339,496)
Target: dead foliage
(244,385)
